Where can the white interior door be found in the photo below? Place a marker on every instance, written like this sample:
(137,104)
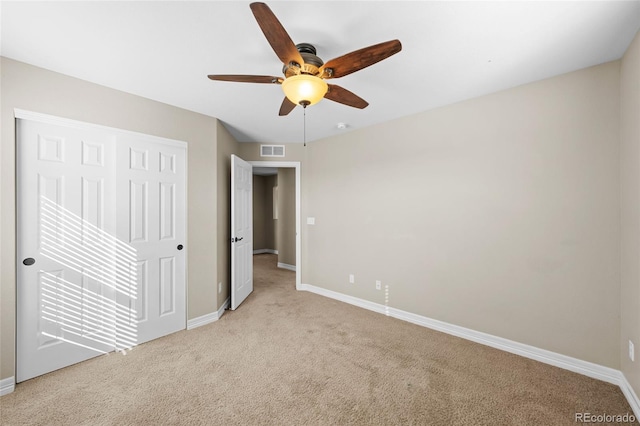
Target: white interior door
(99,215)
(241,230)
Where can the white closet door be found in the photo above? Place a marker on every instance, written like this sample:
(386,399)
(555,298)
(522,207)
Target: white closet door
(153,224)
(66,226)
(101,213)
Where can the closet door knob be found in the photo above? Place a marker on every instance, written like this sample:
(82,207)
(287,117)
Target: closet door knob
(180,246)
(29,261)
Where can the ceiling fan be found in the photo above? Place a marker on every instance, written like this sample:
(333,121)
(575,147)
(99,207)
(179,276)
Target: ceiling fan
(304,72)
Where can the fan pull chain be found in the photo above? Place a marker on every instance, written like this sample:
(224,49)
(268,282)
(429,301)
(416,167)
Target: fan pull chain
(304,104)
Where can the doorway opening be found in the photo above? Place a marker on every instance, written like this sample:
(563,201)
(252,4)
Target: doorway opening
(277,212)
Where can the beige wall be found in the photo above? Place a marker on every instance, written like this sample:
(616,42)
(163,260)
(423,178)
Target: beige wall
(630,180)
(286,223)
(30,88)
(227,146)
(500,214)
(263,222)
(259,209)
(270,235)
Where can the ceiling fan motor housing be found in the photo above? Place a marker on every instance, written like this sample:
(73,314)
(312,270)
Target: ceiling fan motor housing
(311,65)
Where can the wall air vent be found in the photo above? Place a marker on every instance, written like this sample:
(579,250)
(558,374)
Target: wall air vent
(271,150)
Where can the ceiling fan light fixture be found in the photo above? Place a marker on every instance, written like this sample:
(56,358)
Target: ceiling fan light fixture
(304,89)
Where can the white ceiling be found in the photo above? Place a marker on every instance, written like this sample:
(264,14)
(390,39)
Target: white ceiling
(452,51)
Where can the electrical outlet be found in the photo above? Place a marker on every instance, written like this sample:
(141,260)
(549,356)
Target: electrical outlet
(352,279)
(631,351)
(378,285)
(220,287)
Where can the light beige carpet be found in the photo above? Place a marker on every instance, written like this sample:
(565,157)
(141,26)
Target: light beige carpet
(296,358)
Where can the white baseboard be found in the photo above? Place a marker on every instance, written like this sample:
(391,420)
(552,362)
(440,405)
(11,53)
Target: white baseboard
(631,396)
(586,368)
(287,266)
(7,385)
(262,251)
(208,318)
(202,320)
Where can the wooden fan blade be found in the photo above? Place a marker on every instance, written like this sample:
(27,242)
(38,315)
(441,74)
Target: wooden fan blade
(343,96)
(246,78)
(359,59)
(286,107)
(276,34)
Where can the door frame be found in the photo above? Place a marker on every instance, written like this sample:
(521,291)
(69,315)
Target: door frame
(290,165)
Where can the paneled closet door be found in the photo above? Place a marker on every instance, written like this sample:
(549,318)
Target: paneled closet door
(67,270)
(101,216)
(153,226)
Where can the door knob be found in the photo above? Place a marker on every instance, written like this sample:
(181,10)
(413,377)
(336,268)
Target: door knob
(180,246)
(29,261)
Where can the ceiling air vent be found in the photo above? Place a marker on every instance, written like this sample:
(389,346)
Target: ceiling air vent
(271,150)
